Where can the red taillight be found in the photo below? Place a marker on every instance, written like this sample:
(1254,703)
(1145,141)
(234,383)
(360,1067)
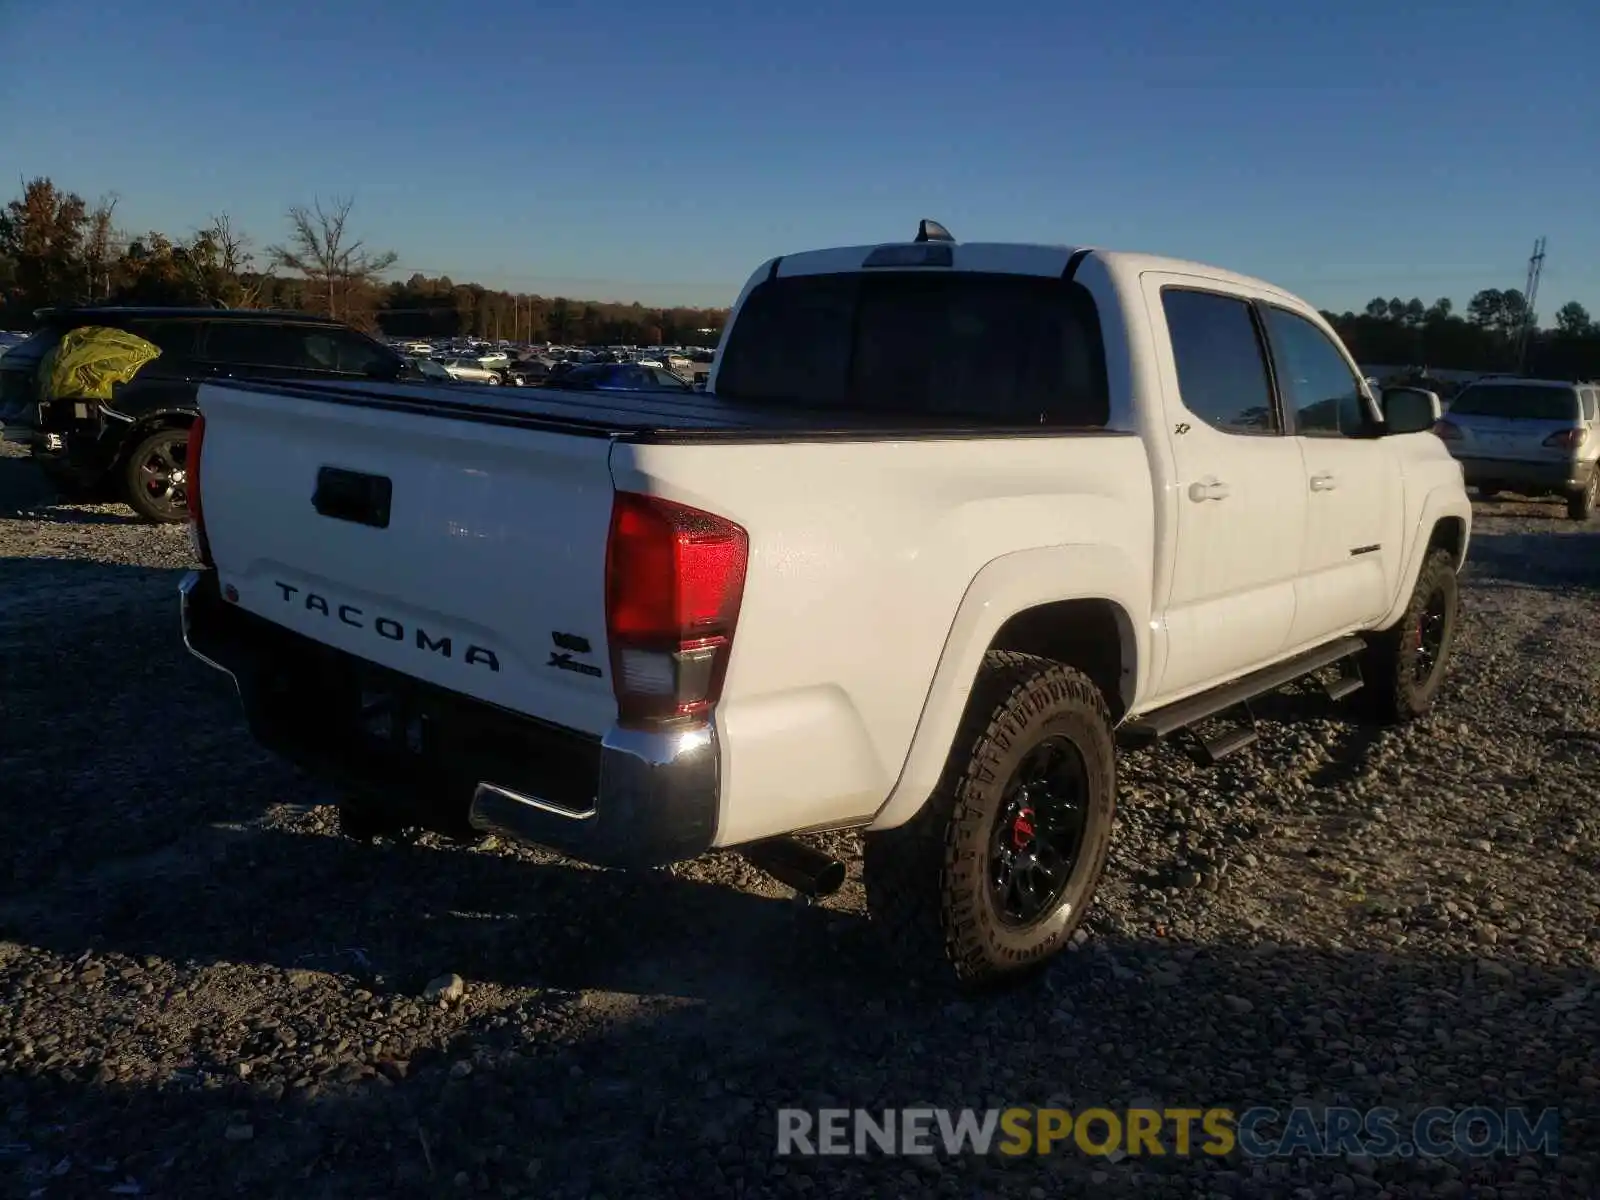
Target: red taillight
(1447,431)
(674,580)
(1567,439)
(191,476)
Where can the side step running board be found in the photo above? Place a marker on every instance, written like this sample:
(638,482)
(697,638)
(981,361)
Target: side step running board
(1235,740)
(1349,680)
(1164,721)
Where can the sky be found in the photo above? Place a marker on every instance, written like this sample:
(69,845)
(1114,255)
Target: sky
(660,152)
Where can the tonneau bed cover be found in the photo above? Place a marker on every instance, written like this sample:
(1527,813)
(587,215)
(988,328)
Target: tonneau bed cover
(643,416)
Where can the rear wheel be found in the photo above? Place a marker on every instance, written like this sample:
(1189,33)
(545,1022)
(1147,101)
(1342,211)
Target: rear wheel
(155,477)
(995,873)
(1404,665)
(1581,504)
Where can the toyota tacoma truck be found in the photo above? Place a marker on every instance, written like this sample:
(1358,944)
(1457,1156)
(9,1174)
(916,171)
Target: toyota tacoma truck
(952,526)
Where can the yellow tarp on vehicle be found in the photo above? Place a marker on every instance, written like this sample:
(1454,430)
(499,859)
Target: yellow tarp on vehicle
(89,361)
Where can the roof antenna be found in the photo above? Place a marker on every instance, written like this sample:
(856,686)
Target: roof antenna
(932,231)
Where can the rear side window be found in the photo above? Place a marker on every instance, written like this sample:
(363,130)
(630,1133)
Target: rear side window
(1591,404)
(252,343)
(293,347)
(1528,402)
(962,346)
(1222,369)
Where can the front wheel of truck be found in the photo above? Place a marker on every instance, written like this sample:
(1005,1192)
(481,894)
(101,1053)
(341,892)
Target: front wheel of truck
(992,877)
(1405,665)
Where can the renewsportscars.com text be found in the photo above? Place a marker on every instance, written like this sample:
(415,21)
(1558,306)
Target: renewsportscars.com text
(1257,1132)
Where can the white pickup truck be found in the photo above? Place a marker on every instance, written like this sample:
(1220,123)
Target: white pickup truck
(951,522)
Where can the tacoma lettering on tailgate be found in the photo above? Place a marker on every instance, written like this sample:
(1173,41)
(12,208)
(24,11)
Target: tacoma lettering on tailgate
(385,627)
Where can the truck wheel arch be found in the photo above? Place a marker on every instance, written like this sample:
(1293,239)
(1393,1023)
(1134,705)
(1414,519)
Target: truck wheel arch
(1449,533)
(1073,604)
(1444,524)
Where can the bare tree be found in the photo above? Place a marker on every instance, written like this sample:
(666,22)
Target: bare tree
(100,247)
(217,263)
(339,268)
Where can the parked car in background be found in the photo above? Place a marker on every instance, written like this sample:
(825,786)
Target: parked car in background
(470,370)
(431,371)
(620,377)
(132,433)
(1535,437)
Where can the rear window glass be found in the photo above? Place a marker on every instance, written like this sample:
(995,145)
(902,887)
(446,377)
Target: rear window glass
(1529,402)
(18,369)
(1005,349)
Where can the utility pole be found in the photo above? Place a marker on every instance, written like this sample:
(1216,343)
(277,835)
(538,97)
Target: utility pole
(1530,293)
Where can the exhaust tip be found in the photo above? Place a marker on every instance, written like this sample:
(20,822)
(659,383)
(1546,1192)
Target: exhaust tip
(807,870)
(831,878)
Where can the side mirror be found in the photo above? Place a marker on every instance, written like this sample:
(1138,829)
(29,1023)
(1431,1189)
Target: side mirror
(1409,409)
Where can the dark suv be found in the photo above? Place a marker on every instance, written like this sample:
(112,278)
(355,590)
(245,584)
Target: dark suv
(134,444)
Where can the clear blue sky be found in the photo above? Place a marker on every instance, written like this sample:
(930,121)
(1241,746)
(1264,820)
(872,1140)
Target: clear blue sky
(659,151)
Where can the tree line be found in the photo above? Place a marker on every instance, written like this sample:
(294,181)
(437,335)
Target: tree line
(56,248)
(1497,332)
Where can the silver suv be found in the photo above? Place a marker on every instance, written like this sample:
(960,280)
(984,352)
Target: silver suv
(1535,437)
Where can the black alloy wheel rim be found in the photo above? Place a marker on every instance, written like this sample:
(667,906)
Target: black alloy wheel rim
(1428,638)
(1038,833)
(164,476)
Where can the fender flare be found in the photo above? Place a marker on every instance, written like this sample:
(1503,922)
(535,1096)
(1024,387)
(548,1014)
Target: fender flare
(1004,587)
(1440,504)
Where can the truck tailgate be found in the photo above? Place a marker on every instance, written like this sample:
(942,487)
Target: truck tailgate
(468,555)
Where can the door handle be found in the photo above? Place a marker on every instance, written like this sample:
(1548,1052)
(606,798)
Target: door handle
(1323,483)
(1210,488)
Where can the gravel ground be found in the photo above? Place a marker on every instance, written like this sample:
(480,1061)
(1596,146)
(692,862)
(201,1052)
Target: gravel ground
(206,992)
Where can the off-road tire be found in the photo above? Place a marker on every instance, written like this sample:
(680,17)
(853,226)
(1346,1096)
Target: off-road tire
(1581,505)
(927,880)
(134,493)
(1392,692)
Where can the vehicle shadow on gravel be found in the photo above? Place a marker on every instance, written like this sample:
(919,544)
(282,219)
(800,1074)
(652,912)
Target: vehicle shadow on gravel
(44,574)
(1526,558)
(107,723)
(680,1101)
(25,490)
(409,911)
